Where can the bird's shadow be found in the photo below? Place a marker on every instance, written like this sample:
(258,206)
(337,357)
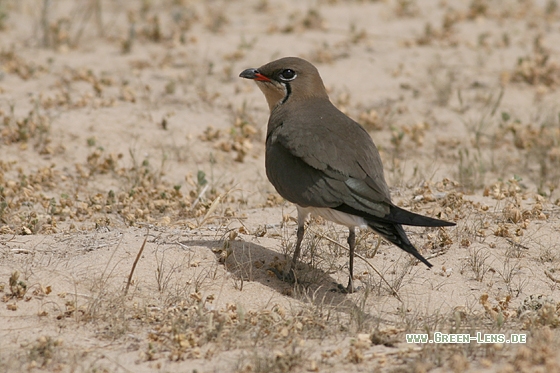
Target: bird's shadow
(248,261)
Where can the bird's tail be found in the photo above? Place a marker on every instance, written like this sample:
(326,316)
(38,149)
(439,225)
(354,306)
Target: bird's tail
(395,234)
(396,215)
(405,217)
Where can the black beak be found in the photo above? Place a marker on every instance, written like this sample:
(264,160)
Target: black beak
(254,74)
(249,74)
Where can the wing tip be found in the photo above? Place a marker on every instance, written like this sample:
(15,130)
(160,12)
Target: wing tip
(425,261)
(406,217)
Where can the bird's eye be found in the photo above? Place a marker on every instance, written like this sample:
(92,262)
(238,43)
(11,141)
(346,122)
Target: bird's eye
(288,75)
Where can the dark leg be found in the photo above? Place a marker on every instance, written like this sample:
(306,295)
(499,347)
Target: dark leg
(291,272)
(290,276)
(352,245)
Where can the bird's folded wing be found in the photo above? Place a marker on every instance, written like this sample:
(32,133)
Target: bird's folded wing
(322,173)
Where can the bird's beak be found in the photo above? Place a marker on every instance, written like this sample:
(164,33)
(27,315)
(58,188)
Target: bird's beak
(254,74)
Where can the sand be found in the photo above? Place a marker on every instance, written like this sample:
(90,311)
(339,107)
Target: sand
(127,137)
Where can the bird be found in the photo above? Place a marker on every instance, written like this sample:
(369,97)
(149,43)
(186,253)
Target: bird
(326,163)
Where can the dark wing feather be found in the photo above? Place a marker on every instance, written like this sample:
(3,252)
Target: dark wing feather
(395,234)
(328,140)
(313,163)
(300,183)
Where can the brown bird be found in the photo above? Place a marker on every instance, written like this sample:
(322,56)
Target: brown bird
(326,163)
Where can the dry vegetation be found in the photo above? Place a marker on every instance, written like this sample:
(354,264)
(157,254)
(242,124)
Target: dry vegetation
(138,232)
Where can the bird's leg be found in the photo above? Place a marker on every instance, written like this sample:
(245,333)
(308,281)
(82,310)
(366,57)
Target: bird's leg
(352,246)
(291,275)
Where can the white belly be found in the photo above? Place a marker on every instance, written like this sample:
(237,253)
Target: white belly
(338,217)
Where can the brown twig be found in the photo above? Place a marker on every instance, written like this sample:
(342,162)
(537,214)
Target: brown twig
(136,262)
(550,276)
(435,255)
(45,23)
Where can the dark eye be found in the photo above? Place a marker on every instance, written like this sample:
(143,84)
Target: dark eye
(287,74)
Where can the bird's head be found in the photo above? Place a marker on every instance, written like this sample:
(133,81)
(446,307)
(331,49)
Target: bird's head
(287,79)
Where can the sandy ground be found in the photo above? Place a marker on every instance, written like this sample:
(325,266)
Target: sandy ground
(138,228)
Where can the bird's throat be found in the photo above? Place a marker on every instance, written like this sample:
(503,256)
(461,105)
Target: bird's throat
(275,93)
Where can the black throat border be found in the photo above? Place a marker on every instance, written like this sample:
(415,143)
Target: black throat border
(288,93)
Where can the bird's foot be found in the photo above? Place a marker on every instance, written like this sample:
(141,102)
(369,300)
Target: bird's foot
(288,277)
(345,290)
